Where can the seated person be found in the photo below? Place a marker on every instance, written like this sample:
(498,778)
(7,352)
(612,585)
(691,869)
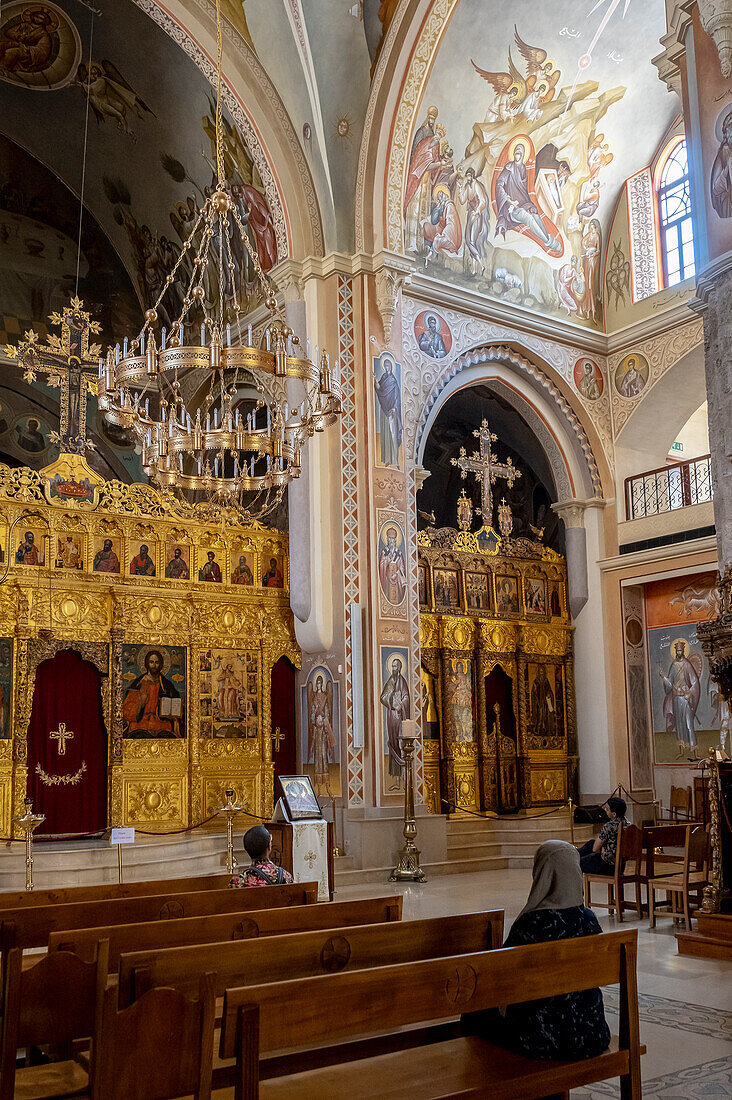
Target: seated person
(597,857)
(570,1026)
(261,871)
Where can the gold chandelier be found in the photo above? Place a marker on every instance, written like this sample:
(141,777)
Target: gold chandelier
(221,424)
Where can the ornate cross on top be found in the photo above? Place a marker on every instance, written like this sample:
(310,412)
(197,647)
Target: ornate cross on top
(277,737)
(71,364)
(484,465)
(62,735)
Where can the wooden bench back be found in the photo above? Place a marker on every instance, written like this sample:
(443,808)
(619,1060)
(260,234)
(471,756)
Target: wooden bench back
(226,926)
(53,1002)
(60,895)
(32,927)
(305,954)
(159,1048)
(316,1011)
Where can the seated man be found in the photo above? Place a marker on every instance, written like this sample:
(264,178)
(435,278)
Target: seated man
(261,871)
(597,857)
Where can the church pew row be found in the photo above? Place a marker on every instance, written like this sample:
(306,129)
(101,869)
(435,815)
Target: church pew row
(161,935)
(32,927)
(17,899)
(327,1023)
(305,954)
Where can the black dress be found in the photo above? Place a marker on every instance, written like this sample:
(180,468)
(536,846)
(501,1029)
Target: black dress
(567,1027)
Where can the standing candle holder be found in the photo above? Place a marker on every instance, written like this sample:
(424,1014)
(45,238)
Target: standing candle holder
(408,868)
(231,809)
(29,822)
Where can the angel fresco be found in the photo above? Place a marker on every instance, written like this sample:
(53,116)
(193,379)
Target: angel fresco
(321,741)
(516,95)
(110,95)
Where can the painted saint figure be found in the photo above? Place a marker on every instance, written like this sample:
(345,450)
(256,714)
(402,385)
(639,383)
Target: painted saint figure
(321,741)
(273,577)
(150,708)
(242,573)
(177,569)
(211,571)
(28,553)
(632,381)
(474,197)
(682,685)
(69,553)
(395,697)
(442,230)
(431,341)
(423,156)
(392,568)
(142,564)
(389,414)
(589,385)
(514,205)
(105,560)
(542,705)
(229,693)
(461,701)
(720,181)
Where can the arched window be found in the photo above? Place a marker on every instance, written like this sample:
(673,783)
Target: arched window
(674,216)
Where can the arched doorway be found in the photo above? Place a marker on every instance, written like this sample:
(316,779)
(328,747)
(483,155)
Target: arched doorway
(282,716)
(67,747)
(501,720)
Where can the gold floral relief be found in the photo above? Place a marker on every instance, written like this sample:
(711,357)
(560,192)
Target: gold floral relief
(457,633)
(429,632)
(544,639)
(155,801)
(162,749)
(245,793)
(229,748)
(548,785)
(499,637)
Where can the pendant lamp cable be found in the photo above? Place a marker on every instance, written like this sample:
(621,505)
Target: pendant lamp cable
(83,159)
(219,81)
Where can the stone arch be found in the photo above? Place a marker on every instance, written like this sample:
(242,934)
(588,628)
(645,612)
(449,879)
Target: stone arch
(259,113)
(534,395)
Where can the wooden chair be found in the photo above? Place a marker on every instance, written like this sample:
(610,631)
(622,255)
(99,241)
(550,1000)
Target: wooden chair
(340,1034)
(627,870)
(54,1002)
(159,1048)
(679,807)
(679,887)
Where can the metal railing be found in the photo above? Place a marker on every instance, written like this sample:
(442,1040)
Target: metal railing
(668,488)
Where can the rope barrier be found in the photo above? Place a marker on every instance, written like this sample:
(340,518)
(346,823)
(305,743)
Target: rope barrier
(461,809)
(635,801)
(142,832)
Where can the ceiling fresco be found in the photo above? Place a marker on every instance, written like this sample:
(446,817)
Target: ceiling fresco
(528,127)
(150,131)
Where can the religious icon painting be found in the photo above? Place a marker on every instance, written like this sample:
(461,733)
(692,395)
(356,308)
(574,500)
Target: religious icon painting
(69,550)
(154,691)
(477,594)
(142,563)
(6,686)
(545,704)
(388,410)
(273,570)
(588,379)
(40,47)
(556,599)
(299,797)
(210,566)
(245,568)
(428,703)
(31,435)
(320,728)
(177,561)
(396,706)
(392,565)
(535,595)
(459,697)
(631,375)
(507,594)
(233,684)
(432,333)
(423,582)
(106,553)
(30,545)
(447,590)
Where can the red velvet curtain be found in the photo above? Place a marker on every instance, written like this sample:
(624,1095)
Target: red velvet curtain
(68,691)
(283,715)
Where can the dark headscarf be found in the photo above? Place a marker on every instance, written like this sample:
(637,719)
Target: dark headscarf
(557,878)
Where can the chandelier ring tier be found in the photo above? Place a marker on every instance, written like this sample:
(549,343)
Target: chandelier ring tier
(226,452)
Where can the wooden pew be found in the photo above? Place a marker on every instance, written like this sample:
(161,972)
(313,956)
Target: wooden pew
(161,935)
(32,927)
(304,954)
(313,1014)
(15,899)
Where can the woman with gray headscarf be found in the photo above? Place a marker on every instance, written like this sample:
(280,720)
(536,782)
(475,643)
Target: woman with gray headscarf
(571,1025)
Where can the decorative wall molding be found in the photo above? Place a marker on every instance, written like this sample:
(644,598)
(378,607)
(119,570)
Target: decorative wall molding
(662,353)
(716,19)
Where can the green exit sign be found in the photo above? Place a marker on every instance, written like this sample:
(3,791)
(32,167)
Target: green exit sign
(677,446)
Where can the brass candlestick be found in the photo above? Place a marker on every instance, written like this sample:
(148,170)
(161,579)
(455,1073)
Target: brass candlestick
(231,809)
(28,822)
(408,868)
(570,807)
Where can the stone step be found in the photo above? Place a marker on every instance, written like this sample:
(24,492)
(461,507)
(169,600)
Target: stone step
(715,924)
(450,867)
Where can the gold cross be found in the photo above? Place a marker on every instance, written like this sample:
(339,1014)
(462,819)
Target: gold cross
(486,468)
(62,735)
(277,737)
(70,363)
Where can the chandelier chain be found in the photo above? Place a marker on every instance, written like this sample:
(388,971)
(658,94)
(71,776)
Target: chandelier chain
(219,80)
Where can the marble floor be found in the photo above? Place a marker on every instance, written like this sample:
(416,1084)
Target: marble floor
(685,1003)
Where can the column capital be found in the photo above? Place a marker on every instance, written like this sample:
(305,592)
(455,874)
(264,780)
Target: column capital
(716,19)
(420,476)
(573,511)
(391,273)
